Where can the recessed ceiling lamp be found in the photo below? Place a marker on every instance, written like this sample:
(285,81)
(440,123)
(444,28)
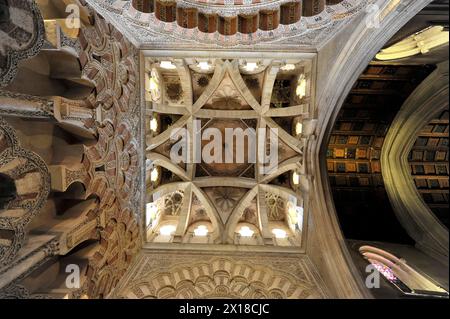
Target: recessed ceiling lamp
(298,128)
(245,231)
(204,66)
(295,178)
(167,230)
(201,231)
(301,87)
(153,124)
(154,174)
(419,43)
(167,65)
(288,67)
(251,66)
(279,233)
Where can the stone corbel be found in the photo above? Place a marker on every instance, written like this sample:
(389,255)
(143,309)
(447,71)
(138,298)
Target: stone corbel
(75,116)
(63,176)
(79,230)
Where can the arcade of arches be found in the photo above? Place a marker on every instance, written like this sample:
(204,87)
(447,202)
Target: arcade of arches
(116,163)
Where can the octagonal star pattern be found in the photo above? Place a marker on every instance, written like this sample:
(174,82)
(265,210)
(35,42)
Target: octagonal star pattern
(220,202)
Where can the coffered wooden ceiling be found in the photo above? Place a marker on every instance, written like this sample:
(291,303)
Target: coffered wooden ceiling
(429,166)
(353,156)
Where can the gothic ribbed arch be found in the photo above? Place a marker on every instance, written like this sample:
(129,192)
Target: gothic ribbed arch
(340,74)
(426,102)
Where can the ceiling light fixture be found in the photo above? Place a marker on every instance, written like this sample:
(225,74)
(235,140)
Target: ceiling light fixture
(154,125)
(301,87)
(154,174)
(245,231)
(288,67)
(167,230)
(167,65)
(279,233)
(295,178)
(251,66)
(201,231)
(419,43)
(204,66)
(298,128)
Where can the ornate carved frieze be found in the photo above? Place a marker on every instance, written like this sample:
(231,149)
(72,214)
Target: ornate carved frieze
(15,291)
(195,276)
(75,116)
(147,30)
(23,105)
(38,257)
(111,63)
(110,118)
(121,242)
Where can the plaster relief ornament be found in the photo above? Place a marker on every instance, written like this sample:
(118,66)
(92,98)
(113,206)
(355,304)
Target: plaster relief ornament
(203,81)
(208,276)
(110,61)
(150,30)
(226,198)
(227,97)
(173,203)
(276,206)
